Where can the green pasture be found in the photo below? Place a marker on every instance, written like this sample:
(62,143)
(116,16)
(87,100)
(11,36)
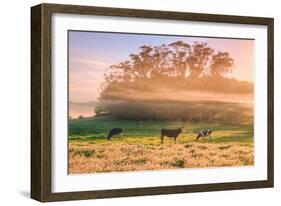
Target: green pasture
(95,130)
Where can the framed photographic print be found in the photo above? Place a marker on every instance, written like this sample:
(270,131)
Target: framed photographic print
(130,102)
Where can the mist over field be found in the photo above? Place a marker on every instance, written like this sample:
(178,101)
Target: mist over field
(203,99)
(185,100)
(184,106)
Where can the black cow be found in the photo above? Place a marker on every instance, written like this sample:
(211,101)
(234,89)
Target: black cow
(115,132)
(170,133)
(204,133)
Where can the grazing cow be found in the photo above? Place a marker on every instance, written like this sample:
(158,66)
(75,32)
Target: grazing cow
(170,133)
(204,133)
(115,132)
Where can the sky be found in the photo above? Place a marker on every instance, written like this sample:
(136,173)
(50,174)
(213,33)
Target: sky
(92,53)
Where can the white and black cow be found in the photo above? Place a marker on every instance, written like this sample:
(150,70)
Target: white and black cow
(204,133)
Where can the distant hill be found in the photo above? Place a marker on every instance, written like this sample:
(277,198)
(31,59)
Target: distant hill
(86,109)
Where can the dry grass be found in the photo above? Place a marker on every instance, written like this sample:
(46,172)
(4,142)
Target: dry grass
(147,153)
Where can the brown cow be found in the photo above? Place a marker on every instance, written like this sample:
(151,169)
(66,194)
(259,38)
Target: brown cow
(173,133)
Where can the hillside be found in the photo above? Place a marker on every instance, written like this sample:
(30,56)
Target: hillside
(86,109)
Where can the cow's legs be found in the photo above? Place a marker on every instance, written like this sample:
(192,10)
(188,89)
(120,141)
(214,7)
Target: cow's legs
(162,138)
(175,139)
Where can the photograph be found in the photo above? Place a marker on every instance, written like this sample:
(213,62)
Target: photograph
(155,101)
(133,102)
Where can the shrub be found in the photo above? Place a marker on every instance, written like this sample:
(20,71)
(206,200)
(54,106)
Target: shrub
(81,117)
(178,163)
(188,145)
(224,147)
(88,153)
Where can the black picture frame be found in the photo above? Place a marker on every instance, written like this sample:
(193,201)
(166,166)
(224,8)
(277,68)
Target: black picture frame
(41,95)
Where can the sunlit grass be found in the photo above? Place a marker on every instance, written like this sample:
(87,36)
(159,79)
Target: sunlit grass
(147,153)
(140,147)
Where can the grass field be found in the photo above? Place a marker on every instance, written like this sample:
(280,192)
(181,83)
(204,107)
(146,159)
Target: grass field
(140,147)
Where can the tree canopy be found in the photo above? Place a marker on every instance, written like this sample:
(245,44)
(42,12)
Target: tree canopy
(174,67)
(178,60)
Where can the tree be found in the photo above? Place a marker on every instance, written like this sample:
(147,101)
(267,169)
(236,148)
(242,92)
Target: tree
(179,52)
(221,63)
(120,72)
(177,60)
(198,57)
(80,117)
(137,67)
(161,65)
(141,63)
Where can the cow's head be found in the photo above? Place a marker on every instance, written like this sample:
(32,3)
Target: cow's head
(181,129)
